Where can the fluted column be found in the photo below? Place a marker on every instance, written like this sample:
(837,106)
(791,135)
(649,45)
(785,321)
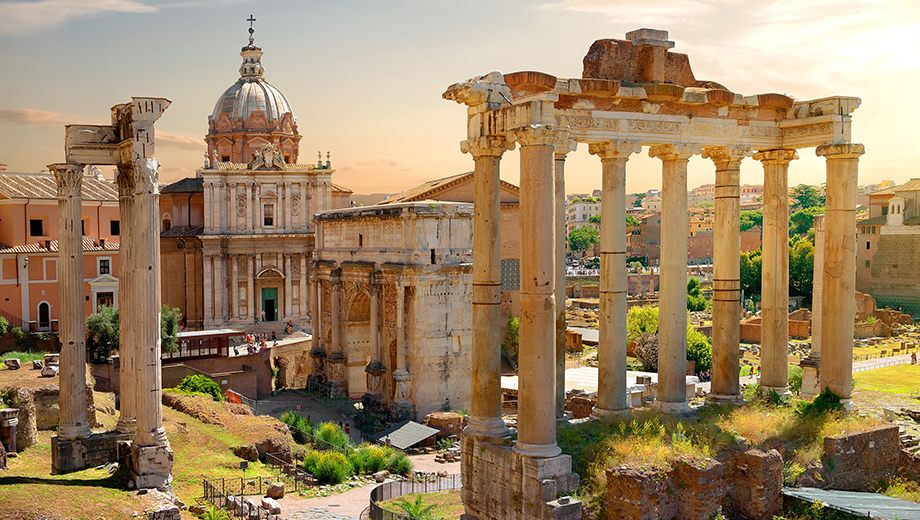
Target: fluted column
(774,286)
(537,354)
(486,403)
(288,299)
(287,225)
(611,346)
(250,287)
(838,304)
(234,295)
(302,294)
(74,424)
(726,283)
(208,202)
(562,148)
(317,348)
(127,349)
(672,306)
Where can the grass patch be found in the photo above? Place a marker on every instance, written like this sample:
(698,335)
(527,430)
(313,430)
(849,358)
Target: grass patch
(25,357)
(899,379)
(447,504)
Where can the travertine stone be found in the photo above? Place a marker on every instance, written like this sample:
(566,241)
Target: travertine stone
(536,398)
(611,353)
(775,271)
(485,408)
(838,304)
(561,149)
(127,292)
(74,424)
(672,310)
(726,284)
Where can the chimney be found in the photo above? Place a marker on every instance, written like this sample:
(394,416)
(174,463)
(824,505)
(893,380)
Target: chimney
(48,245)
(3,167)
(102,243)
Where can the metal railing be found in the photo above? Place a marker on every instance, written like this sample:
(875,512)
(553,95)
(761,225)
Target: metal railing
(319,444)
(292,476)
(883,365)
(228,493)
(390,490)
(15,321)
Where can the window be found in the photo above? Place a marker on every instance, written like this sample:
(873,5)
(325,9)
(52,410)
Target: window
(867,245)
(867,264)
(225,158)
(104,266)
(114,227)
(863,230)
(269,219)
(35,227)
(83,227)
(873,230)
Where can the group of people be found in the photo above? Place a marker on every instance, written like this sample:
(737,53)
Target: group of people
(258,342)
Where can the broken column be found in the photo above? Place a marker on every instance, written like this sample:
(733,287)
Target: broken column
(774,339)
(838,305)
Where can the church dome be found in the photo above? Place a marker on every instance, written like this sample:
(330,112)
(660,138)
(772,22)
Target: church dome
(251,92)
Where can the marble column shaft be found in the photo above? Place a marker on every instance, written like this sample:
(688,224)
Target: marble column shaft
(148,374)
(672,307)
(234,287)
(561,149)
(400,326)
(774,328)
(375,351)
(838,304)
(250,286)
(726,283)
(71,314)
(127,294)
(611,348)
(537,354)
(486,402)
(288,289)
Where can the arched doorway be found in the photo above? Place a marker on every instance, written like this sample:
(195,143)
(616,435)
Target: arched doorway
(44,316)
(269,295)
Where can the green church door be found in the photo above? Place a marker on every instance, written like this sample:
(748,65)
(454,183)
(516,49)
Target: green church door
(270,303)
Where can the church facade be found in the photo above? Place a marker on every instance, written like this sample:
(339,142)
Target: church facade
(254,226)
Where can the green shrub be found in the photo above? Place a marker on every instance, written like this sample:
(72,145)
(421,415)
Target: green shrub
(199,384)
(795,380)
(826,402)
(310,460)
(374,458)
(332,468)
(300,426)
(699,349)
(4,326)
(332,433)
(399,463)
(647,351)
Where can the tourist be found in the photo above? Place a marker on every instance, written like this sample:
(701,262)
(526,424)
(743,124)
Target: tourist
(262,314)
(913,358)
(273,335)
(386,442)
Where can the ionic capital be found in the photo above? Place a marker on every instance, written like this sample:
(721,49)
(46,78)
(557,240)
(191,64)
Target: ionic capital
(486,146)
(675,152)
(614,149)
(69,178)
(538,135)
(778,156)
(840,150)
(727,157)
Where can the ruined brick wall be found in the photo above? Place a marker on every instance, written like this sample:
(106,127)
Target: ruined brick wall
(894,272)
(757,483)
(856,461)
(750,330)
(640,494)
(909,464)
(580,406)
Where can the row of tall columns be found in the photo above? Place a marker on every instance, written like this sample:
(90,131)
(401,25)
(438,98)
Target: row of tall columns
(221,199)
(221,267)
(74,424)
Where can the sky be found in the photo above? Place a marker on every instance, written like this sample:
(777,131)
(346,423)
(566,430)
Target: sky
(365,78)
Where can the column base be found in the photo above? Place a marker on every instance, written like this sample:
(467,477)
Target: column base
(782,391)
(491,429)
(678,408)
(151,466)
(811,377)
(537,451)
(74,433)
(735,400)
(126,426)
(402,411)
(602,414)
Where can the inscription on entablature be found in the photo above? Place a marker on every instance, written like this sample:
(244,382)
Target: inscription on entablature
(820,128)
(642,125)
(761,131)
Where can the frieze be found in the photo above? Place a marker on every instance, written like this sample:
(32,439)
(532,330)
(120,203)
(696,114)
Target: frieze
(707,128)
(644,125)
(762,131)
(820,128)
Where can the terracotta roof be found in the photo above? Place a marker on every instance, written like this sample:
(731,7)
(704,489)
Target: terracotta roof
(43,186)
(186,185)
(89,244)
(869,221)
(428,190)
(340,189)
(911,185)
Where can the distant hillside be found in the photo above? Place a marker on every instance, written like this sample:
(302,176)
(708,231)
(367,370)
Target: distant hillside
(369,199)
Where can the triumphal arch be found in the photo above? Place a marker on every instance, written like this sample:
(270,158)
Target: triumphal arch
(635,93)
(128,144)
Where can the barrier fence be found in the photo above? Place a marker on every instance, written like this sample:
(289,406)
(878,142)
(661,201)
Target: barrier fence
(228,493)
(294,478)
(390,490)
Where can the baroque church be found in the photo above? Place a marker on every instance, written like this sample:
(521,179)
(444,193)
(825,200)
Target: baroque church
(236,240)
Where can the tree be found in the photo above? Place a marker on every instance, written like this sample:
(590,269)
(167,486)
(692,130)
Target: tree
(704,205)
(699,349)
(695,300)
(510,339)
(632,221)
(102,329)
(751,218)
(647,351)
(801,267)
(594,219)
(635,266)
(169,328)
(582,238)
(638,202)
(640,320)
(750,274)
(803,220)
(806,196)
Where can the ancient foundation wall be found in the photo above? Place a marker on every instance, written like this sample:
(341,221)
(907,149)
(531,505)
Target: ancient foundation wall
(750,330)
(857,461)
(39,410)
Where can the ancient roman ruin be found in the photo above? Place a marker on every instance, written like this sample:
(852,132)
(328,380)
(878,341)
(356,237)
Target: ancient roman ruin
(635,93)
(128,143)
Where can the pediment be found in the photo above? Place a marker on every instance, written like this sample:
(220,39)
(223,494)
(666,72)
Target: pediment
(104,279)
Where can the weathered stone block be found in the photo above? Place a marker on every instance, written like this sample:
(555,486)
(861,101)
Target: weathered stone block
(856,461)
(151,466)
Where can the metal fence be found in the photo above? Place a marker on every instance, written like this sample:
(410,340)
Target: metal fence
(228,493)
(883,364)
(294,478)
(390,490)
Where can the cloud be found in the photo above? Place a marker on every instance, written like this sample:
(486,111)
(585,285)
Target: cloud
(380,163)
(32,117)
(178,141)
(21,17)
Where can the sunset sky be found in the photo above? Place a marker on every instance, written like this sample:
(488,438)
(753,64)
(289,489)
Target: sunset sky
(365,78)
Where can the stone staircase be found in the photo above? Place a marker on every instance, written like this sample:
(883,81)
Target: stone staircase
(910,442)
(266,327)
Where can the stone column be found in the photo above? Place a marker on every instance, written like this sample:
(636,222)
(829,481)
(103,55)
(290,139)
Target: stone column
(250,286)
(486,403)
(672,306)
(374,400)
(302,295)
(774,328)
(317,350)
(562,148)
(611,347)
(537,355)
(838,305)
(726,283)
(250,206)
(208,198)
(336,360)
(72,316)
(234,295)
(811,364)
(258,221)
(234,223)
(288,225)
(288,289)
(127,350)
(151,455)
(220,288)
(402,408)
